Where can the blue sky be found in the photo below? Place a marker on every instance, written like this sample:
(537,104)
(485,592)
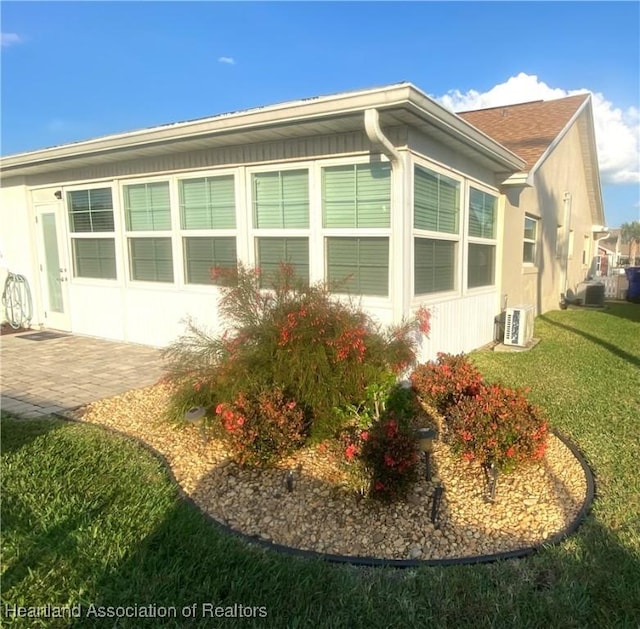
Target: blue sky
(76,70)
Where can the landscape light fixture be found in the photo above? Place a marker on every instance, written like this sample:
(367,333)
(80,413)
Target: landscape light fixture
(195,415)
(435,502)
(289,480)
(491,477)
(426,437)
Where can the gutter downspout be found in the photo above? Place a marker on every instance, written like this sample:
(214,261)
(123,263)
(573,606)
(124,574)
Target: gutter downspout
(399,249)
(565,250)
(375,135)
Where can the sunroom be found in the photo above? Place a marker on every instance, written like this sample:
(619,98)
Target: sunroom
(128,229)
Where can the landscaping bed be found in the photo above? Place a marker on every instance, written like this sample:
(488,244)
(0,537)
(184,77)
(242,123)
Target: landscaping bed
(532,505)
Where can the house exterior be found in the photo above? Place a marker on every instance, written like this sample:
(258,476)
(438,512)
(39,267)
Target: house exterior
(406,202)
(554,213)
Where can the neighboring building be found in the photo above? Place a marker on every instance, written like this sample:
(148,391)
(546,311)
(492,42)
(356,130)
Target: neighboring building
(415,205)
(553,209)
(620,253)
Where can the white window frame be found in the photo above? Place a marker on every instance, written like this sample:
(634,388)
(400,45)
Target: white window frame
(353,232)
(260,232)
(172,233)
(240,220)
(475,240)
(115,198)
(460,257)
(535,241)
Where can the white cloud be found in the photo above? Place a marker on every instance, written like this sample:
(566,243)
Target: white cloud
(229,60)
(617,131)
(10,39)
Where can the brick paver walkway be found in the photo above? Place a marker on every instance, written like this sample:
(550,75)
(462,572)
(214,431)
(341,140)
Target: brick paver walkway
(59,374)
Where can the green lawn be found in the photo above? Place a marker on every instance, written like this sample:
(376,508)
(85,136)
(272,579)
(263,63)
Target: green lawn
(91,518)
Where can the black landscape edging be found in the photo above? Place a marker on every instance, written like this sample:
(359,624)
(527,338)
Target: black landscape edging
(571,528)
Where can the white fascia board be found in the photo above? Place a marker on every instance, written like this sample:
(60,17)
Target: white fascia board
(404,94)
(457,126)
(289,112)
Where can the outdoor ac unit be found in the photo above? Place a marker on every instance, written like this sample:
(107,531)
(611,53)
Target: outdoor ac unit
(591,293)
(518,325)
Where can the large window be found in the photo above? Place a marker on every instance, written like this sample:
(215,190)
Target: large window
(436,204)
(208,203)
(359,265)
(151,259)
(435,263)
(436,222)
(202,254)
(481,250)
(356,214)
(272,252)
(208,221)
(356,195)
(281,222)
(147,210)
(147,206)
(281,199)
(91,213)
(530,240)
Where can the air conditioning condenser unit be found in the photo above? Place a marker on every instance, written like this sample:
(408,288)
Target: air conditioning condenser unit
(518,325)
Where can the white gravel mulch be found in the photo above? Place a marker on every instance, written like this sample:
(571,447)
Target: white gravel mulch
(531,505)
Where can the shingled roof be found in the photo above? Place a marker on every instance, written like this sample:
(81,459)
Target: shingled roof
(527,129)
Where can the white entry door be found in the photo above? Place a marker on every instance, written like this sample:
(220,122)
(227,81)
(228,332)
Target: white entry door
(53,265)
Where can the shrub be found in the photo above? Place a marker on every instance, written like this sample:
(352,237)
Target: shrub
(446,381)
(297,338)
(497,426)
(187,392)
(390,455)
(260,429)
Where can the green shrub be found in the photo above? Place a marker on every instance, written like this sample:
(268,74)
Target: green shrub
(390,454)
(323,352)
(446,381)
(262,428)
(497,426)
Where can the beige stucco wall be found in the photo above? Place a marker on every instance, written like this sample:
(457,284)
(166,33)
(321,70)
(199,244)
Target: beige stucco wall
(541,284)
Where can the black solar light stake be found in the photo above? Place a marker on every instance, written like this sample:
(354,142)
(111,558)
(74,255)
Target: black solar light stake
(425,437)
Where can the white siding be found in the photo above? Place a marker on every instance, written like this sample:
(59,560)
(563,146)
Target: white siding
(460,325)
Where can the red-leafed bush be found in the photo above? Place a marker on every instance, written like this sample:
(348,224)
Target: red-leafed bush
(390,454)
(261,429)
(497,426)
(283,333)
(446,381)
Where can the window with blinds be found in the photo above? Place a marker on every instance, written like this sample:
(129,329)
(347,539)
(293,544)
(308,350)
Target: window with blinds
(436,205)
(147,206)
(482,214)
(482,220)
(94,257)
(90,210)
(202,254)
(271,252)
(281,199)
(481,265)
(356,195)
(208,203)
(434,265)
(151,259)
(358,265)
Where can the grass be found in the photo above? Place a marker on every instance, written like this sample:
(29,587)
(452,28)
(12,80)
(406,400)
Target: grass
(92,518)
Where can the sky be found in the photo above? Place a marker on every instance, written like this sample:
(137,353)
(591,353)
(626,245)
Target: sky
(77,70)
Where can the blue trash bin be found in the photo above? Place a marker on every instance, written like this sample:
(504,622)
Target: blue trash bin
(633,275)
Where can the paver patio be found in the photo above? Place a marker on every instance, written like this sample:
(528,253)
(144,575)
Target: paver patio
(40,377)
